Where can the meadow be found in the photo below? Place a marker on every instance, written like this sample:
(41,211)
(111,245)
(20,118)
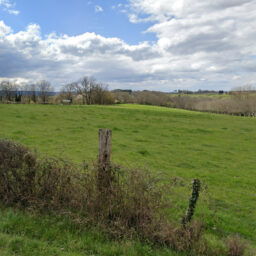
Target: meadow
(177,144)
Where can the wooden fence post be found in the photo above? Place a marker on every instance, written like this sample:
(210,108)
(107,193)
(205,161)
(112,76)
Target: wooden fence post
(192,202)
(104,168)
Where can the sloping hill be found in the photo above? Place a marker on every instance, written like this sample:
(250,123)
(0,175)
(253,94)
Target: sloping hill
(218,149)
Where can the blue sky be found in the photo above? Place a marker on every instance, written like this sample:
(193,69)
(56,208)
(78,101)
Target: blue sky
(77,17)
(133,44)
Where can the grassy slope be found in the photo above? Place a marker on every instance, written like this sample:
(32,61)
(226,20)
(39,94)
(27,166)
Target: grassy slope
(23,234)
(218,149)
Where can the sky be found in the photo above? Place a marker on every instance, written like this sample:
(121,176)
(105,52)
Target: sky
(161,45)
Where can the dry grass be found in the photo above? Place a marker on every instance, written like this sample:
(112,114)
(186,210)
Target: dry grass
(235,246)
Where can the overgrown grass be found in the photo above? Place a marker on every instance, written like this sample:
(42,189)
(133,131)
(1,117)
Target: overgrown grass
(122,203)
(218,149)
(27,234)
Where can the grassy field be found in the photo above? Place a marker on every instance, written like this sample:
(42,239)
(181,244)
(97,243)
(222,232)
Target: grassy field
(23,234)
(218,149)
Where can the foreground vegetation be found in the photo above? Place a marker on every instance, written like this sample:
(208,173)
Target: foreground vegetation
(24,234)
(217,149)
(122,203)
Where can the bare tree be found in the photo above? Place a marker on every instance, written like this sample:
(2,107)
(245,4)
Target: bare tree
(101,95)
(30,93)
(32,89)
(44,89)
(9,90)
(68,91)
(91,91)
(85,88)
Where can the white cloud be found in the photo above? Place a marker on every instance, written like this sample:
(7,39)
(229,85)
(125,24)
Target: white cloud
(14,12)
(236,77)
(218,34)
(5,3)
(98,8)
(8,5)
(200,44)
(4,29)
(16,80)
(62,59)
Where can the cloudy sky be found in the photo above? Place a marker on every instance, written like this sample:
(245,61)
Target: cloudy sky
(136,44)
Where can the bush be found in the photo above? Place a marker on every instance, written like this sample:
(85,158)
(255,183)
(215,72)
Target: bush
(132,203)
(17,173)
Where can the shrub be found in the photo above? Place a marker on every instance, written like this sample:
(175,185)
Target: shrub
(132,203)
(17,173)
(26,180)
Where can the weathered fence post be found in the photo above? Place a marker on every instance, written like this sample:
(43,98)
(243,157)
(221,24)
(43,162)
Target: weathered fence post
(104,167)
(192,202)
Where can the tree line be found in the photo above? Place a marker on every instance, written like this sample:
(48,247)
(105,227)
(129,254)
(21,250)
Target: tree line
(239,101)
(85,91)
(11,92)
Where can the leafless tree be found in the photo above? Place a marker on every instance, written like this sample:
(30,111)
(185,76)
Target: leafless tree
(9,90)
(101,95)
(68,91)
(30,93)
(44,89)
(91,91)
(85,88)
(32,89)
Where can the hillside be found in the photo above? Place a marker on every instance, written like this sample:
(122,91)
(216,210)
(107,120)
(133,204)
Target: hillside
(183,145)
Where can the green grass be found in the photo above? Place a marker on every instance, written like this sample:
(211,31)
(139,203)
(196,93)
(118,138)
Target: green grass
(29,235)
(218,149)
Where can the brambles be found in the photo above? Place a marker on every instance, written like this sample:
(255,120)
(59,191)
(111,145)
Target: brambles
(134,205)
(17,173)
